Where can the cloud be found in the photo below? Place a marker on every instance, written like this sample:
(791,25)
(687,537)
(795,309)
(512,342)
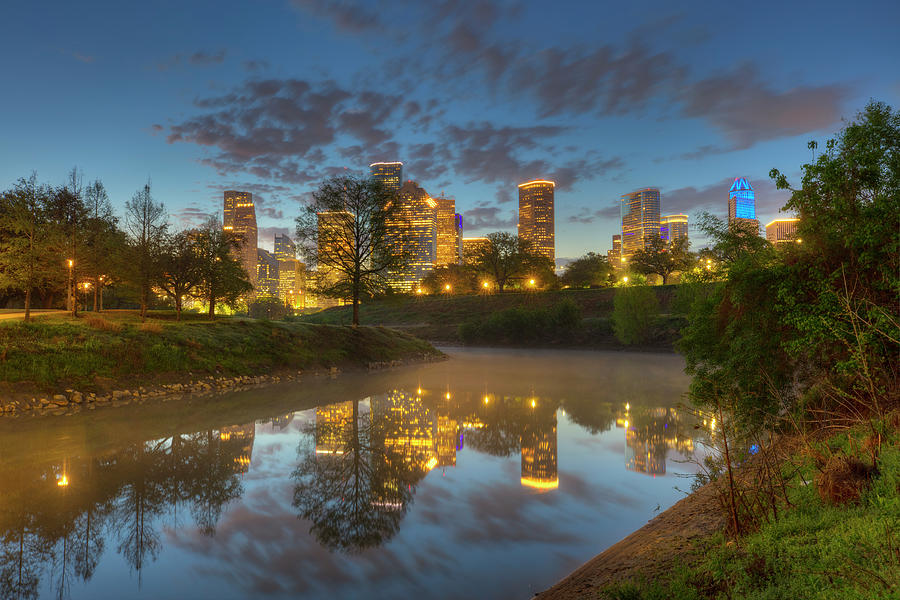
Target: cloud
(347,16)
(255,66)
(85,58)
(489,217)
(200,58)
(191,216)
(587,215)
(713,198)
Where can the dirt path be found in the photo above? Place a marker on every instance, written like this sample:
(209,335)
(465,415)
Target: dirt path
(651,550)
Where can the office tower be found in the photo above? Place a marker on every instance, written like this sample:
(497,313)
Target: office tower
(742,206)
(536,223)
(292,282)
(614,255)
(470,247)
(407,427)
(640,219)
(458,224)
(447,232)
(389,173)
(240,219)
(335,233)
(673,227)
(412,234)
(539,468)
(266,273)
(284,247)
(781,231)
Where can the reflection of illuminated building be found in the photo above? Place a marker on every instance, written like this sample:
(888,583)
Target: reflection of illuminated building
(282,421)
(333,426)
(240,433)
(446,439)
(649,434)
(539,469)
(408,428)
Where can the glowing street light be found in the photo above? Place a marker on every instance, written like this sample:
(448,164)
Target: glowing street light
(485,285)
(531,282)
(419,291)
(70,295)
(62,481)
(625,279)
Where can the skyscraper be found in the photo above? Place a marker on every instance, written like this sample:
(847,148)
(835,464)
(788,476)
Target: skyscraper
(447,238)
(335,232)
(640,219)
(458,225)
(536,223)
(742,205)
(389,173)
(267,273)
(614,256)
(673,227)
(471,245)
(240,219)
(284,247)
(781,231)
(412,234)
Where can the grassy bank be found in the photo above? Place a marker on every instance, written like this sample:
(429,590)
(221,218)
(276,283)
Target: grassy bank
(448,318)
(89,351)
(823,545)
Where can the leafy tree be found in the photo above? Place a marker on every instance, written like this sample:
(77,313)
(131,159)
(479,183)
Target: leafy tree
(180,268)
(352,248)
(68,213)
(635,308)
(104,243)
(588,271)
(462,279)
(26,263)
(146,226)
(662,258)
(222,278)
(508,258)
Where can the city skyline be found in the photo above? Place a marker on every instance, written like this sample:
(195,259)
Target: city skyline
(468,111)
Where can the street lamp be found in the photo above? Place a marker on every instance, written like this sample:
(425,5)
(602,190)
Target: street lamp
(69,296)
(625,279)
(447,288)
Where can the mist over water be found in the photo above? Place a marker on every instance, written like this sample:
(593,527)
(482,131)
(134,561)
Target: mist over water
(490,475)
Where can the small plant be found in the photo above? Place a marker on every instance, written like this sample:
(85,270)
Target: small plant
(102,324)
(150,327)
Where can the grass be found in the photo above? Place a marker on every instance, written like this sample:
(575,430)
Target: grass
(440,317)
(54,351)
(815,550)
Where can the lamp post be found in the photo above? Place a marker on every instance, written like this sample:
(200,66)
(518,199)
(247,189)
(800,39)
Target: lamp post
(70,299)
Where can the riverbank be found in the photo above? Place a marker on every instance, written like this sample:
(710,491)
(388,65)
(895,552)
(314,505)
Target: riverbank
(833,537)
(55,363)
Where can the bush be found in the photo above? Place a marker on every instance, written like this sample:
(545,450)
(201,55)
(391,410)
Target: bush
(522,325)
(634,311)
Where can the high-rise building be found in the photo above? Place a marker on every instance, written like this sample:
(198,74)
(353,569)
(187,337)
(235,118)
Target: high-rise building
(539,455)
(536,222)
(412,234)
(389,173)
(458,224)
(640,219)
(334,236)
(284,247)
(266,273)
(673,227)
(447,232)
(781,231)
(614,255)
(742,205)
(240,219)
(292,282)
(470,247)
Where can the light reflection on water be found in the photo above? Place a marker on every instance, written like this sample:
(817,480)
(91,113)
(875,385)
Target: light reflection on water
(490,475)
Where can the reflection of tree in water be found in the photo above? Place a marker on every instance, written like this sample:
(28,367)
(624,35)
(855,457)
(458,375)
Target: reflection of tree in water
(55,527)
(349,483)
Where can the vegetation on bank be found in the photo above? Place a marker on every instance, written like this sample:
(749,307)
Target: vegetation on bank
(794,350)
(64,351)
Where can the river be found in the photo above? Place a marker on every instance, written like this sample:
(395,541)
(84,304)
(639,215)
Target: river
(489,475)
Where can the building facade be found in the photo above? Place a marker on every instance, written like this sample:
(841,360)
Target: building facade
(335,234)
(673,227)
(640,219)
(742,206)
(536,216)
(266,273)
(782,231)
(471,245)
(614,255)
(447,232)
(388,173)
(284,247)
(458,225)
(412,234)
(240,220)
(292,282)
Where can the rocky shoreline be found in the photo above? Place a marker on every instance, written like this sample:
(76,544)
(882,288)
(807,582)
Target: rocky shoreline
(71,401)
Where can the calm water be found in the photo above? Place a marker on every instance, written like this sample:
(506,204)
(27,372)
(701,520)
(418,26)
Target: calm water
(490,475)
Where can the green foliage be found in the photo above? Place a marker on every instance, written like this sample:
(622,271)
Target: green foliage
(523,325)
(635,309)
(662,258)
(508,258)
(591,270)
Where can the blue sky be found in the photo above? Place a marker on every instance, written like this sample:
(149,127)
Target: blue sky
(474,97)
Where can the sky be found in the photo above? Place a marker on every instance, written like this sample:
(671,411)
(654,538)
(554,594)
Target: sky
(273,96)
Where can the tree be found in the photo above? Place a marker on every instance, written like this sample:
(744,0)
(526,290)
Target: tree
(662,258)
(103,241)
(502,259)
(588,271)
(180,268)
(68,212)
(461,279)
(26,263)
(146,225)
(344,232)
(222,278)
(635,308)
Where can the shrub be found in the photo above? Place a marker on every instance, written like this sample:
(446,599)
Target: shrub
(522,325)
(634,311)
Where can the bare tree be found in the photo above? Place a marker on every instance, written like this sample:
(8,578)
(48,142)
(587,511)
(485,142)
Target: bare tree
(145,224)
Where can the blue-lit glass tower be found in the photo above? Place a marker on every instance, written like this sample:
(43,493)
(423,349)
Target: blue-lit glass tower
(742,204)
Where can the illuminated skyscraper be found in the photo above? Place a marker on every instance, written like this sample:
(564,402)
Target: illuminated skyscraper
(673,227)
(640,219)
(335,233)
(782,231)
(292,282)
(458,225)
(284,247)
(266,273)
(447,232)
(389,173)
(240,219)
(536,221)
(334,425)
(539,462)
(412,234)
(408,428)
(614,256)
(471,245)
(742,205)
